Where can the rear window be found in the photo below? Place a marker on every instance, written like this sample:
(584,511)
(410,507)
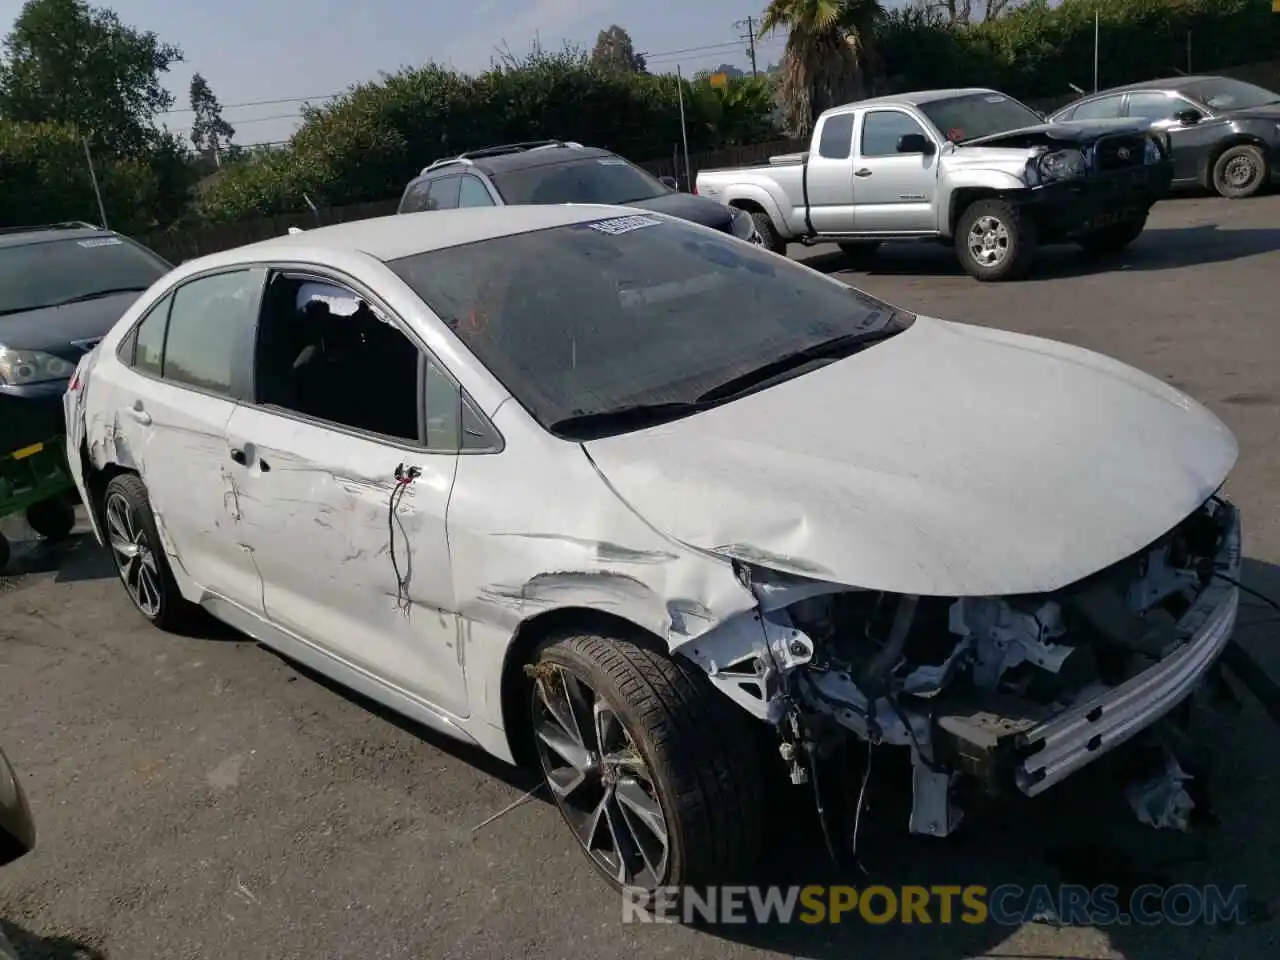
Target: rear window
(39,275)
(581,180)
(588,318)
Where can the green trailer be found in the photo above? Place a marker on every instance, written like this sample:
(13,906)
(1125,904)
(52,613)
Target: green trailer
(34,479)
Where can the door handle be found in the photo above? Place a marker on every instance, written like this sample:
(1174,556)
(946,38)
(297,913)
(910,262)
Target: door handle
(862,172)
(139,414)
(238,456)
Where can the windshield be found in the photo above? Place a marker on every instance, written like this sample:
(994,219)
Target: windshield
(977,115)
(1223,93)
(35,275)
(596,317)
(581,180)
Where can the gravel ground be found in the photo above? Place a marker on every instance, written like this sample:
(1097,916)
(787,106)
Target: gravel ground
(199,797)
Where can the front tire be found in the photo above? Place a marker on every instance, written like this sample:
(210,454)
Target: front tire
(139,555)
(994,241)
(1114,238)
(769,237)
(656,773)
(1240,172)
(4,552)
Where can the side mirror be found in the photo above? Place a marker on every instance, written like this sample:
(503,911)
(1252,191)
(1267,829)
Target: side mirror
(916,143)
(17,828)
(671,183)
(1189,116)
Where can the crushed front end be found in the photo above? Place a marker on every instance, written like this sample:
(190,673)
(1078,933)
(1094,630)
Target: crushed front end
(1013,694)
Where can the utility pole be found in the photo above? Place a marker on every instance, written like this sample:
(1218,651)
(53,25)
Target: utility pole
(750,24)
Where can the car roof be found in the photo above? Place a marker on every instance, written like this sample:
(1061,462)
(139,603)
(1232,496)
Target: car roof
(23,236)
(918,98)
(499,163)
(406,234)
(1163,83)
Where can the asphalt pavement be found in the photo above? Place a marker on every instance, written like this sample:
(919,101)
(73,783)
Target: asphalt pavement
(198,797)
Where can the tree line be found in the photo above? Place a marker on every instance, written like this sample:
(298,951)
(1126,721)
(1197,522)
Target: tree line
(74,78)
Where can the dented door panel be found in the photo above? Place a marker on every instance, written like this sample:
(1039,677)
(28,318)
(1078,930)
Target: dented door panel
(315,503)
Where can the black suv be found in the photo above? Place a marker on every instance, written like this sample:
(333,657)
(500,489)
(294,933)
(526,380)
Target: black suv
(62,287)
(561,171)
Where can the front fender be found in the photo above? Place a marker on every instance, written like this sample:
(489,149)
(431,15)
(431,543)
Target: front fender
(971,182)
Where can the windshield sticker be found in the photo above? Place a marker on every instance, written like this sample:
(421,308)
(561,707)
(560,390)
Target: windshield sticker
(620,225)
(612,162)
(101,242)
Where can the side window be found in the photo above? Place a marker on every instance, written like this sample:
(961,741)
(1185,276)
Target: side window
(881,130)
(208,323)
(1105,108)
(1154,106)
(473,194)
(443,194)
(325,353)
(836,142)
(443,402)
(415,197)
(148,337)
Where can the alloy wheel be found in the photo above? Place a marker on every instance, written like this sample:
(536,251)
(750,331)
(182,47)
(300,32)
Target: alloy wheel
(599,779)
(988,241)
(134,555)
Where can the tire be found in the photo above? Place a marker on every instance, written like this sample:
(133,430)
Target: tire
(859,253)
(1240,172)
(4,552)
(53,519)
(768,233)
(1011,250)
(161,602)
(1114,238)
(693,762)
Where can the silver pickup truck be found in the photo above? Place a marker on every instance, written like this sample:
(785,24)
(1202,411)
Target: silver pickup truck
(971,168)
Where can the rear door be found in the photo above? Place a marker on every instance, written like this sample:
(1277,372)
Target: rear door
(830,175)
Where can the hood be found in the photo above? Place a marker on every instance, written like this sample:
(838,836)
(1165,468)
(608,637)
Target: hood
(686,206)
(53,329)
(950,460)
(1062,131)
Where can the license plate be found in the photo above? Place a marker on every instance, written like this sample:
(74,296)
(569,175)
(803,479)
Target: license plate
(30,451)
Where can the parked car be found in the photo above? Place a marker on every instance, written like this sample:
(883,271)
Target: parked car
(1224,134)
(62,286)
(972,168)
(561,171)
(502,470)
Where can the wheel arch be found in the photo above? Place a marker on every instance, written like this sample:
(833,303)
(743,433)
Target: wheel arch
(962,198)
(95,482)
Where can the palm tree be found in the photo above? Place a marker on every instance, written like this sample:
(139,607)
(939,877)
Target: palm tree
(829,53)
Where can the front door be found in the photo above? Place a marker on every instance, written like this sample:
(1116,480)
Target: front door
(354,558)
(1187,140)
(893,191)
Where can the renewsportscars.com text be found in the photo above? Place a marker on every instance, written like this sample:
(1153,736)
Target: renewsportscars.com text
(1006,905)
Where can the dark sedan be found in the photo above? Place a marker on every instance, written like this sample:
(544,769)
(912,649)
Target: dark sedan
(1225,133)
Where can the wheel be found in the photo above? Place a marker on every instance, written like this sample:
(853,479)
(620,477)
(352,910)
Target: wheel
(994,241)
(4,551)
(1240,172)
(657,773)
(768,233)
(53,519)
(139,556)
(1113,238)
(859,253)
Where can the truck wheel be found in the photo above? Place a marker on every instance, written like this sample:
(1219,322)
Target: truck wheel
(994,241)
(1240,172)
(139,555)
(4,552)
(768,234)
(657,773)
(1114,238)
(53,519)
(859,253)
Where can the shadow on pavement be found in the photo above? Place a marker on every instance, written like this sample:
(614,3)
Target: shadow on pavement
(1159,248)
(24,945)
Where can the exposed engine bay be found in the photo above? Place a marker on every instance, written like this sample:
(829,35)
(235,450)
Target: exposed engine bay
(1013,693)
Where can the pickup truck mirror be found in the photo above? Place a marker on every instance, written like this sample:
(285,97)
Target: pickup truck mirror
(1188,116)
(669,182)
(916,143)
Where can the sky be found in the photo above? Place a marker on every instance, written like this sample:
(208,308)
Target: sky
(290,50)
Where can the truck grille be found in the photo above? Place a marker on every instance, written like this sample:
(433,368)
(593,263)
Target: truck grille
(1119,153)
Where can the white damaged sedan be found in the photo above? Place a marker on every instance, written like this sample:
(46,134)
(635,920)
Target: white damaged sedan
(626,498)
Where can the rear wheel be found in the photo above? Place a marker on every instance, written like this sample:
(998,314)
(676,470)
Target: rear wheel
(994,241)
(656,773)
(1114,238)
(139,554)
(768,233)
(53,519)
(1240,172)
